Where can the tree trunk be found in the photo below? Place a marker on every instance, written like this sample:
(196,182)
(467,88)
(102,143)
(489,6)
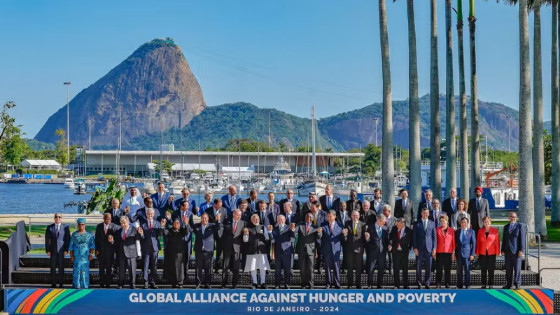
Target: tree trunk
(555,112)
(538,147)
(450,150)
(435,141)
(387,142)
(526,201)
(415,164)
(463,132)
(475,137)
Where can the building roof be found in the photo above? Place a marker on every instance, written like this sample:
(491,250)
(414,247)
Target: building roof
(39,163)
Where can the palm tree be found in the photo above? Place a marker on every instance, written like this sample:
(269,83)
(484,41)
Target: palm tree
(538,147)
(387,140)
(555,111)
(435,151)
(450,150)
(475,137)
(526,201)
(463,132)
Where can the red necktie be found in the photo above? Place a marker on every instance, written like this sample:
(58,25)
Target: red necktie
(234,226)
(150,225)
(124,235)
(331,228)
(184,216)
(399,234)
(105,229)
(307,229)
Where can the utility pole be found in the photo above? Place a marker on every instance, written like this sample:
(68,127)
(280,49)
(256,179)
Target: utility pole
(67,83)
(376,120)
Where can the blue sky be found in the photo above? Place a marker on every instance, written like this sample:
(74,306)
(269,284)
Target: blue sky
(285,54)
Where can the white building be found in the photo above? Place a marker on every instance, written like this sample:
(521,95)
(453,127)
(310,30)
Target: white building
(40,165)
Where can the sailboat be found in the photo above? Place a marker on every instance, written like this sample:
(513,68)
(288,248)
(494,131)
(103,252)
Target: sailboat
(312,185)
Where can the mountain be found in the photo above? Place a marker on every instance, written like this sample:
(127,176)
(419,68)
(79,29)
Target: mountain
(217,124)
(354,128)
(154,87)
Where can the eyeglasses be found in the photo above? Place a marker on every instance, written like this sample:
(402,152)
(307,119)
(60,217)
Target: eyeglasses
(58,217)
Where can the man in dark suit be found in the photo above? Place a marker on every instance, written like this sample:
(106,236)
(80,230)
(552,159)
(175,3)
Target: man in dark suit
(330,235)
(312,198)
(424,241)
(57,241)
(289,214)
(514,243)
(328,200)
(465,245)
(104,249)
(231,236)
(284,239)
(319,217)
(343,216)
(265,219)
(141,216)
(478,209)
(305,247)
(450,204)
(404,208)
(253,201)
(377,242)
(428,196)
(212,214)
(245,212)
(231,201)
(273,208)
(186,193)
(185,216)
(290,199)
(115,212)
(400,243)
(204,248)
(162,201)
(353,241)
(353,203)
(150,248)
(127,252)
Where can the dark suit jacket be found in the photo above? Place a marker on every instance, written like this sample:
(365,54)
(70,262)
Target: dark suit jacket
(320,216)
(205,242)
(354,243)
(295,205)
(57,244)
(140,216)
(115,218)
(335,203)
(161,204)
(264,218)
(407,213)
(253,205)
(424,240)
(306,240)
(467,247)
(294,218)
(331,241)
(232,242)
(480,213)
(272,215)
(284,240)
(422,205)
(447,207)
(377,246)
(127,247)
(342,221)
(150,242)
(246,215)
(212,218)
(101,242)
(351,206)
(516,241)
(234,204)
(258,240)
(177,204)
(188,233)
(405,241)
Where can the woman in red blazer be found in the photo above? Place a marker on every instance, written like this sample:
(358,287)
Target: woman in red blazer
(445,250)
(487,248)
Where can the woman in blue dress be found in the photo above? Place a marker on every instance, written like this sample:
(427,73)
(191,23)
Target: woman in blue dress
(81,249)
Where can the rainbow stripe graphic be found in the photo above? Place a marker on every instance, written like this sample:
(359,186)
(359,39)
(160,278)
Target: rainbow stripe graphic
(526,301)
(42,301)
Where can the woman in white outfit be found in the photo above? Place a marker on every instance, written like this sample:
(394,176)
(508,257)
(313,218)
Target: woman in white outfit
(254,237)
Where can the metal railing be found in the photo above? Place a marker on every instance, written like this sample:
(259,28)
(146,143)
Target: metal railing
(529,253)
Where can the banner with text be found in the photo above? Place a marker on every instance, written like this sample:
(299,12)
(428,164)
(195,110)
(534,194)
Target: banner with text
(242,301)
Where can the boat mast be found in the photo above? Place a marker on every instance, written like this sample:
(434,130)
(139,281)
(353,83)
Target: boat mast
(313,158)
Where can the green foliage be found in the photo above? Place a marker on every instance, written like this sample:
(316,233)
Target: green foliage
(101,200)
(547,158)
(11,144)
(61,146)
(372,159)
(247,145)
(36,145)
(13,150)
(167,166)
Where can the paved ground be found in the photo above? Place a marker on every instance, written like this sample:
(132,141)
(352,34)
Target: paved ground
(550,258)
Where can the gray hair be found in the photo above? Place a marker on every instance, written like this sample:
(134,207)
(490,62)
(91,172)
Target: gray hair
(332,212)
(387,207)
(380,216)
(356,211)
(428,191)
(366,201)
(280,216)
(124,219)
(287,205)
(237,211)
(400,220)
(150,210)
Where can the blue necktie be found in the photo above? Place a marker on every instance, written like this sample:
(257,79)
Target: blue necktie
(462,235)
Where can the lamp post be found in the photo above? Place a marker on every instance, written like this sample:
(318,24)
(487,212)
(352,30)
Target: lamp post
(67,83)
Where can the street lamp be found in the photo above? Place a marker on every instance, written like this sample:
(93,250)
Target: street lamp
(67,83)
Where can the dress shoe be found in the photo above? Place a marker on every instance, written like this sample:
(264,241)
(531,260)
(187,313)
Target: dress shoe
(302,287)
(223,286)
(379,287)
(173,286)
(337,287)
(286,287)
(349,287)
(517,286)
(406,287)
(119,287)
(234,287)
(263,286)
(483,287)
(427,287)
(53,285)
(153,286)
(447,286)
(370,287)
(327,287)
(311,287)
(459,287)
(506,287)
(146,285)
(419,287)
(359,287)
(276,287)
(198,286)
(133,286)
(207,286)
(438,286)
(61,286)
(397,287)
(254,286)
(467,287)
(490,287)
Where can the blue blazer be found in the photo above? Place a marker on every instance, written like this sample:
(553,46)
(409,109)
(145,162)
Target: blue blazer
(150,242)
(230,207)
(466,247)
(375,245)
(205,241)
(177,204)
(57,244)
(284,240)
(424,240)
(516,241)
(161,204)
(330,242)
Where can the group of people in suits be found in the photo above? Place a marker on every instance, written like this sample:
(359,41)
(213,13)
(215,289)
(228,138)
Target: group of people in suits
(328,235)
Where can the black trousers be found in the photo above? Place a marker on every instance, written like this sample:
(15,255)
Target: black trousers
(231,262)
(487,267)
(400,263)
(203,264)
(379,259)
(354,263)
(306,268)
(105,266)
(129,263)
(57,262)
(443,262)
